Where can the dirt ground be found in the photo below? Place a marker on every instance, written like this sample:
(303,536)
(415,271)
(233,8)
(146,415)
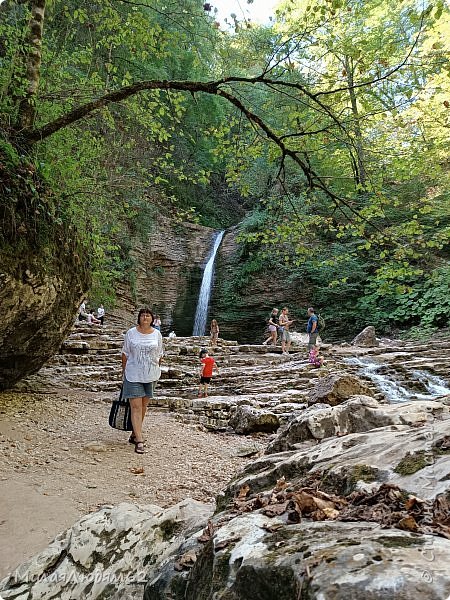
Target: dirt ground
(61,460)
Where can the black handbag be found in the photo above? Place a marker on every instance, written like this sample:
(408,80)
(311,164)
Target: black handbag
(120,414)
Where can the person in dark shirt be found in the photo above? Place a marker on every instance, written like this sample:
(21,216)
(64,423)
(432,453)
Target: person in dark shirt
(311,328)
(273,327)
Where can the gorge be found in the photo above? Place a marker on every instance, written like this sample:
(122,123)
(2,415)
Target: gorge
(322,437)
(160,154)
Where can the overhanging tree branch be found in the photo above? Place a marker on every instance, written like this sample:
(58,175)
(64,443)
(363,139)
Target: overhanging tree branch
(212,87)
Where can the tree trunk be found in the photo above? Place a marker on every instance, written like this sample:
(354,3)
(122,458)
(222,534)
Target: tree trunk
(33,58)
(361,175)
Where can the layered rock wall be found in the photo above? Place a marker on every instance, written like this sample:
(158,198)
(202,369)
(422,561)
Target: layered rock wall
(166,276)
(242,307)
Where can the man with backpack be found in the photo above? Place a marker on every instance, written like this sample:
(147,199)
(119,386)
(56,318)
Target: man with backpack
(312,328)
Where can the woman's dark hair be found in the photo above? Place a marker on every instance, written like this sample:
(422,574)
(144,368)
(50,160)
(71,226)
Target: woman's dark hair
(145,311)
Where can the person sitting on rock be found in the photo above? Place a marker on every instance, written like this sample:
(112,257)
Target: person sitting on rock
(82,314)
(92,319)
(314,357)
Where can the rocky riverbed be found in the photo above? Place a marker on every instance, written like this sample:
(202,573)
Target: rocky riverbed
(303,482)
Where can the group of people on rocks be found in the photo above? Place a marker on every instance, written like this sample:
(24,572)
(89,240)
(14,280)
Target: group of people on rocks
(143,352)
(279,325)
(89,316)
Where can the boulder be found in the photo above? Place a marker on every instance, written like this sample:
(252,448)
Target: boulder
(358,414)
(108,554)
(247,419)
(43,274)
(334,389)
(366,338)
(254,557)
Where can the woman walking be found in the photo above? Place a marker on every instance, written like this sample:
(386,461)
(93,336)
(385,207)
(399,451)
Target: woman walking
(273,327)
(142,353)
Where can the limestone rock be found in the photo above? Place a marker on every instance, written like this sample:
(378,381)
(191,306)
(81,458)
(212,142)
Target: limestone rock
(316,560)
(43,273)
(247,419)
(107,554)
(74,347)
(300,339)
(366,338)
(358,414)
(377,452)
(334,389)
(256,554)
(39,297)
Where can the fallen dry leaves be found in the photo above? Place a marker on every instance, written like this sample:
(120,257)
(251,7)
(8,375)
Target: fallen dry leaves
(388,505)
(137,470)
(186,561)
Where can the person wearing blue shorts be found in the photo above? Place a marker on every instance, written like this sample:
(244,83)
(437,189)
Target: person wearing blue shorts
(142,353)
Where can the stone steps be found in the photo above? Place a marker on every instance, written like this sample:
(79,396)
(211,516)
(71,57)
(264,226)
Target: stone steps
(91,360)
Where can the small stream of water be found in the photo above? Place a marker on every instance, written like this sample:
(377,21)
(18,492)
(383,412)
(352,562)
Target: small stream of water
(201,314)
(423,385)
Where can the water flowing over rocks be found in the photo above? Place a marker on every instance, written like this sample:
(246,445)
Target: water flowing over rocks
(350,499)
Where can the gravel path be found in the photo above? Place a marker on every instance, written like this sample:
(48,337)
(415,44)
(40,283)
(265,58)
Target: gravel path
(61,460)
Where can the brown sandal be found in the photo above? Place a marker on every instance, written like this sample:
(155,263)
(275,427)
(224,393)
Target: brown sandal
(132,440)
(139,447)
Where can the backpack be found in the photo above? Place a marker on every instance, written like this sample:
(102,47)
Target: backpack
(320,323)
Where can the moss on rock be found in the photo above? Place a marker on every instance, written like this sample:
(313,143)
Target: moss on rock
(411,463)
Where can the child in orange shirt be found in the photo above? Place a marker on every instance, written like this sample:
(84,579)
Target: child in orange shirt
(206,371)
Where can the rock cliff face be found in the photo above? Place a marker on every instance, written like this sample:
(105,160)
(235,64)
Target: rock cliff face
(43,274)
(243,308)
(167,276)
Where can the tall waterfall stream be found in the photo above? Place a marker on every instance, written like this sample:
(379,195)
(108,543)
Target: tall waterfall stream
(418,384)
(201,313)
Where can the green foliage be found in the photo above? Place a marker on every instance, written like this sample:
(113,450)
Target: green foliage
(9,154)
(364,108)
(424,305)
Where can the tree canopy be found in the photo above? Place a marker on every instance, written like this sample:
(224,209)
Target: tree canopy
(330,125)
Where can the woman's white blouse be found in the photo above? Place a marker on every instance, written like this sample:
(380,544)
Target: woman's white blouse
(143,351)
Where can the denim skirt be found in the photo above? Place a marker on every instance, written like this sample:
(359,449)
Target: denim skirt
(132,389)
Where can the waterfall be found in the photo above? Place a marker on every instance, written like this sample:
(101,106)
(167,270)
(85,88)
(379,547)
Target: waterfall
(419,385)
(201,314)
